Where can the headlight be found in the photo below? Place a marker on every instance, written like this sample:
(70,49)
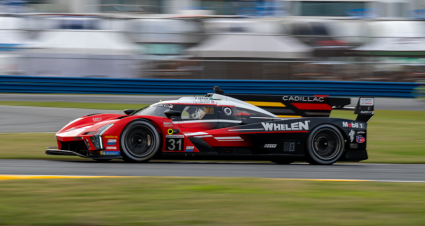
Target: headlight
(104,128)
(97,138)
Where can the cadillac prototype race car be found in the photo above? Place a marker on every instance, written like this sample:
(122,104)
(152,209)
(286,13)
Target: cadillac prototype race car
(281,129)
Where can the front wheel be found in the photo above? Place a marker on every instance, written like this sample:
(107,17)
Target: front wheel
(139,141)
(325,145)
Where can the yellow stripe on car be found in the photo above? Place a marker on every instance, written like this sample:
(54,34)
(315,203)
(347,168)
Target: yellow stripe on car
(266,104)
(288,116)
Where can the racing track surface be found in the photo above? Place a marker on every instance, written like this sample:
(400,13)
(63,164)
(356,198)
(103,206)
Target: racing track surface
(19,119)
(41,119)
(379,172)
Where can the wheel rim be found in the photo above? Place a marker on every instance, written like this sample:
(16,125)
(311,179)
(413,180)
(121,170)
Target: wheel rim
(140,141)
(326,145)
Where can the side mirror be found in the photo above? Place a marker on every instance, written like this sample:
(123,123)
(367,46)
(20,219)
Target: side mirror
(170,113)
(129,111)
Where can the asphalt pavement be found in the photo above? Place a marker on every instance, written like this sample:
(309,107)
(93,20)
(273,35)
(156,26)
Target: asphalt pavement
(379,172)
(43,119)
(19,119)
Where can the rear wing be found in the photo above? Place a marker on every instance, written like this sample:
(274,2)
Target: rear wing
(306,106)
(365,108)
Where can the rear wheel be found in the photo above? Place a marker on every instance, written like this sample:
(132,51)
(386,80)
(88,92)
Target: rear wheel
(140,141)
(325,145)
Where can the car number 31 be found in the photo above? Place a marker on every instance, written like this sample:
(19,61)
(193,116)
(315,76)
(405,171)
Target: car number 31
(174,144)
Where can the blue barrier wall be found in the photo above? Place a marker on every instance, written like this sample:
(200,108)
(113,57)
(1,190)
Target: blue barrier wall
(32,84)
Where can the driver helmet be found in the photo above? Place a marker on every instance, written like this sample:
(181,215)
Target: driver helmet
(192,111)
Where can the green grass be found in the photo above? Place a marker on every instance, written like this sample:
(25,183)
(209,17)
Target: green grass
(103,106)
(209,201)
(393,137)
(27,146)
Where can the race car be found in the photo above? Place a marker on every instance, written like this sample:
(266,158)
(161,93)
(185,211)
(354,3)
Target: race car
(281,129)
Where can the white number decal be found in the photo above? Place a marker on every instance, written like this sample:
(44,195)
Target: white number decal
(180,144)
(173,146)
(173,143)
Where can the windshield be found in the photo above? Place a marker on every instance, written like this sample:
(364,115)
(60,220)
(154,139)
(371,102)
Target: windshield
(154,110)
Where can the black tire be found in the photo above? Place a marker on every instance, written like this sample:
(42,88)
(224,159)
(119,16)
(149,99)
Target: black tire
(139,141)
(325,145)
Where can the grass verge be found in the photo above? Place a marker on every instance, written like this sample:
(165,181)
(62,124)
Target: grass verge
(28,146)
(103,106)
(209,201)
(393,137)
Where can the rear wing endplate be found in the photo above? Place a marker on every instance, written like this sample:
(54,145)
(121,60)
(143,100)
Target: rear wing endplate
(365,109)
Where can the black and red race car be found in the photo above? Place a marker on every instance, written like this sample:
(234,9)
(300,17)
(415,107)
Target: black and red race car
(282,129)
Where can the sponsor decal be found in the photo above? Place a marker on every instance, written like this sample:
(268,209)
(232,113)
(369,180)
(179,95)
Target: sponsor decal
(361,132)
(111,148)
(366,112)
(203,100)
(199,102)
(360,139)
(227,111)
(270,145)
(111,142)
(109,136)
(190,147)
(366,101)
(174,136)
(296,126)
(351,134)
(97,119)
(167,124)
(303,99)
(352,124)
(188,150)
(110,153)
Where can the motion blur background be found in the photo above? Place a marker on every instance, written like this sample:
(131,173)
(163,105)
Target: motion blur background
(340,40)
(347,48)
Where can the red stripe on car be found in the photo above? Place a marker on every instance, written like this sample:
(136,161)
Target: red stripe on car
(303,106)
